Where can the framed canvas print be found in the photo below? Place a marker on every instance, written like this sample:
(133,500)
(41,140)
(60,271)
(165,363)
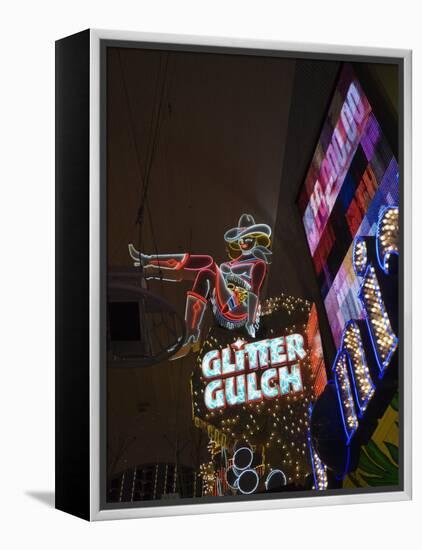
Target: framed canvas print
(233,281)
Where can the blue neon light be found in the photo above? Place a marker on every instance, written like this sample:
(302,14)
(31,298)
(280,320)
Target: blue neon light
(349,431)
(314,454)
(362,404)
(384,257)
(382,364)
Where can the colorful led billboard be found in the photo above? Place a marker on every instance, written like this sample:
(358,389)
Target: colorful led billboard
(353,173)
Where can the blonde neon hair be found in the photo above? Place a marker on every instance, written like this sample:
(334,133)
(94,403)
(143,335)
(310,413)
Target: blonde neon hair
(262,241)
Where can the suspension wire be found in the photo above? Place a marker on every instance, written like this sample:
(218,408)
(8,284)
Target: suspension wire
(153,140)
(150,140)
(154,143)
(151,145)
(143,174)
(130,119)
(132,132)
(144,200)
(161,89)
(144,203)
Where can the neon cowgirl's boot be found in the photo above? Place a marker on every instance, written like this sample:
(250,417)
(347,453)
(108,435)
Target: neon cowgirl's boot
(195,309)
(160,261)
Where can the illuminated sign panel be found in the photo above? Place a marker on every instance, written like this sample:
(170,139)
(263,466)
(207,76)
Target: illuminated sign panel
(349,204)
(352,175)
(335,163)
(350,366)
(272,357)
(357,382)
(256,393)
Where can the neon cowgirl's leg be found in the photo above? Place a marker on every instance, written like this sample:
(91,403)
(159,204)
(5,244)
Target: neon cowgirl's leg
(197,262)
(204,283)
(196,305)
(180,261)
(171,261)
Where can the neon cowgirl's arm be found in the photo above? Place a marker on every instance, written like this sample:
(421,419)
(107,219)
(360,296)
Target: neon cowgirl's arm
(179,261)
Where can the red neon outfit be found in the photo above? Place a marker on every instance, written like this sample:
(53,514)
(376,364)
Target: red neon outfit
(233,288)
(228,286)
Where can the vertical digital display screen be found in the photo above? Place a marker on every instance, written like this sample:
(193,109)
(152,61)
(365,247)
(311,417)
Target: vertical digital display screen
(352,174)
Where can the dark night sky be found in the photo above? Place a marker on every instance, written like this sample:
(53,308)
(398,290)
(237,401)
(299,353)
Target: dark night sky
(236,135)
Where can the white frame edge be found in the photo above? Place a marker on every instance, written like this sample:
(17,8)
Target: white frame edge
(96,513)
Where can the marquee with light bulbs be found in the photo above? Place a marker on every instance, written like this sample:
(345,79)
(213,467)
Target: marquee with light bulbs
(257,393)
(365,367)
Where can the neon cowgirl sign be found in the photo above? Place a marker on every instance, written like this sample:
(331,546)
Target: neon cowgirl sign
(233,374)
(231,288)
